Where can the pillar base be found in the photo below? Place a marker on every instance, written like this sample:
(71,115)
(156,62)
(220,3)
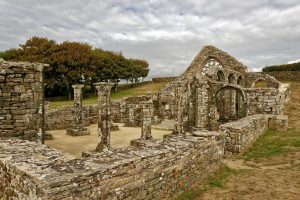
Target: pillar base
(114,127)
(48,136)
(78,132)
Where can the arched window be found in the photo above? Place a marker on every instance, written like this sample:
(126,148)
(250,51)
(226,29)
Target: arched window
(240,80)
(221,77)
(231,79)
(230,103)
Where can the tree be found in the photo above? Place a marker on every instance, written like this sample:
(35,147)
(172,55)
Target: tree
(9,54)
(72,61)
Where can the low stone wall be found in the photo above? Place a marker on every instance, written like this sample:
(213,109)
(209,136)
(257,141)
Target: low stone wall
(242,133)
(63,117)
(126,110)
(163,79)
(285,75)
(162,170)
(21,99)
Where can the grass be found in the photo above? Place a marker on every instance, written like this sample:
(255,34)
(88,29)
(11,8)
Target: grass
(215,181)
(273,143)
(141,90)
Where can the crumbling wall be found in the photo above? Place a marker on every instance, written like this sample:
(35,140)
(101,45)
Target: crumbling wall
(242,133)
(163,170)
(126,110)
(21,99)
(267,100)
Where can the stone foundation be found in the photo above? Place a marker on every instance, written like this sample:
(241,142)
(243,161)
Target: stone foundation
(32,171)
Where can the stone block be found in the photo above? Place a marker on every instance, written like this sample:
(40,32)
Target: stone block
(77,132)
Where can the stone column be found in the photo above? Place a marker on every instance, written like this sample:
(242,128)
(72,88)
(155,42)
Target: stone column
(147,110)
(201,107)
(103,89)
(178,125)
(78,128)
(130,112)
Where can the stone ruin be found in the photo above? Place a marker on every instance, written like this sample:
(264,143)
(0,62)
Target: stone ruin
(217,111)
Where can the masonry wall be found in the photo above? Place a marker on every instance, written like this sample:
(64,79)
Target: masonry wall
(126,110)
(267,100)
(242,133)
(163,170)
(21,99)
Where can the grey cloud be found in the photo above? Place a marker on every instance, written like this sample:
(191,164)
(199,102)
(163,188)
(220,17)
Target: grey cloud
(166,33)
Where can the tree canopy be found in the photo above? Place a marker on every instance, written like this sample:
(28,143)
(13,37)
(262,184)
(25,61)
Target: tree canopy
(76,62)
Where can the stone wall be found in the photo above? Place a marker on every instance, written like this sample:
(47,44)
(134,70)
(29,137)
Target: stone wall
(21,100)
(162,170)
(163,79)
(126,110)
(242,133)
(63,117)
(285,75)
(267,100)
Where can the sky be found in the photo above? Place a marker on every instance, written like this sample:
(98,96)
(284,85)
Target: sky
(167,33)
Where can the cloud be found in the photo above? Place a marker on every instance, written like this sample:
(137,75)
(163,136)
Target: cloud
(167,33)
(294,61)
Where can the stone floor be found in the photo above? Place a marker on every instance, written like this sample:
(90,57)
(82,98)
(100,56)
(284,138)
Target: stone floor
(75,145)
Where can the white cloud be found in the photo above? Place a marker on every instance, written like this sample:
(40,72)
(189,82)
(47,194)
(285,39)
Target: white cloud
(166,33)
(294,61)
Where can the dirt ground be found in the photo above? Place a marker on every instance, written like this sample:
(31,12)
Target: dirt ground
(75,145)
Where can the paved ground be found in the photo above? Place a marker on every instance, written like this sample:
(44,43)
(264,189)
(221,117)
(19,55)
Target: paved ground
(75,145)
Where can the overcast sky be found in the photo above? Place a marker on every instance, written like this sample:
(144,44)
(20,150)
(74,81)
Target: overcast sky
(167,33)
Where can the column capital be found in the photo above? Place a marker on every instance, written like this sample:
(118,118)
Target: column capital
(77,86)
(103,86)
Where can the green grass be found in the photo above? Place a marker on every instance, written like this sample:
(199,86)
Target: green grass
(217,180)
(273,143)
(141,90)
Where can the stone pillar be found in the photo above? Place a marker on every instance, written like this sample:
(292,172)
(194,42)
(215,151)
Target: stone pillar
(130,112)
(122,111)
(201,107)
(147,110)
(233,113)
(39,91)
(78,128)
(178,125)
(103,89)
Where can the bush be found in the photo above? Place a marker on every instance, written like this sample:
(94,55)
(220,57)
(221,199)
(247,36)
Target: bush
(286,67)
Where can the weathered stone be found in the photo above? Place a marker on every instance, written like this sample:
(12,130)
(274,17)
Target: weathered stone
(77,129)
(103,115)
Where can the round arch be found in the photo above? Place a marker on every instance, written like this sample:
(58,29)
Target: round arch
(240,80)
(221,76)
(230,102)
(231,79)
(230,87)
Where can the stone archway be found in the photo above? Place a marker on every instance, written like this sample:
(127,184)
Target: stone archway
(229,107)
